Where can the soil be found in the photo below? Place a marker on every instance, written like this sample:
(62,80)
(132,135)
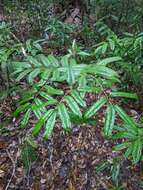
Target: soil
(65,162)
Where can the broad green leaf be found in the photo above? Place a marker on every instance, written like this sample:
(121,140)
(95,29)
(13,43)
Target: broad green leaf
(128,34)
(53,61)
(102,166)
(129,150)
(137,150)
(53,91)
(46,74)
(47,97)
(41,122)
(20,109)
(26,118)
(124,94)
(73,105)
(119,128)
(83,53)
(105,72)
(68,68)
(128,120)
(50,125)
(78,98)
(108,60)
(70,64)
(26,95)
(44,60)
(109,121)
(95,107)
(127,128)
(64,61)
(21,65)
(33,74)
(26,99)
(28,45)
(104,48)
(23,74)
(17,71)
(82,83)
(101,71)
(34,61)
(70,75)
(78,69)
(37,112)
(64,116)
(121,135)
(134,131)
(115,170)
(89,89)
(121,146)
(37,45)
(73,62)
(56,75)
(98,50)
(40,105)
(112,44)
(102,29)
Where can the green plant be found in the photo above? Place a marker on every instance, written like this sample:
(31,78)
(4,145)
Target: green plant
(57,87)
(33,47)
(54,90)
(129,47)
(28,153)
(132,135)
(12,48)
(9,46)
(58,32)
(113,167)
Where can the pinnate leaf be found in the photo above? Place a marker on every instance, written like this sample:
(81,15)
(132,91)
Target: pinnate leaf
(50,125)
(64,116)
(95,107)
(109,121)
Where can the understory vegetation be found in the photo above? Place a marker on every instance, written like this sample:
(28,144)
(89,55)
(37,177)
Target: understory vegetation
(67,69)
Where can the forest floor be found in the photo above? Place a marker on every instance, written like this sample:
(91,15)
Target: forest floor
(65,162)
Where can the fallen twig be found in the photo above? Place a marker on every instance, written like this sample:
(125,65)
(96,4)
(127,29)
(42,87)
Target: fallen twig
(14,168)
